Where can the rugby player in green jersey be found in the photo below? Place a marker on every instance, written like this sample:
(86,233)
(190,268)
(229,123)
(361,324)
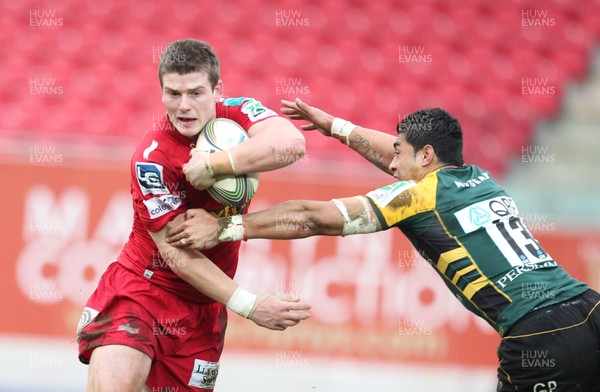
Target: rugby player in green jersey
(464,225)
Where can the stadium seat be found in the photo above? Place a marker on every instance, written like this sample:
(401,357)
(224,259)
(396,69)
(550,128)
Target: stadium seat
(474,60)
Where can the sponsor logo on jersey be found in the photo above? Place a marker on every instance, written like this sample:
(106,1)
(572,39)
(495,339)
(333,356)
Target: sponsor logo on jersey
(204,374)
(521,269)
(485,212)
(251,107)
(479,217)
(159,206)
(150,178)
(383,196)
(256,111)
(473,182)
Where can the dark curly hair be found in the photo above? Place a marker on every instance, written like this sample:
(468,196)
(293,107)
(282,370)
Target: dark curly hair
(437,128)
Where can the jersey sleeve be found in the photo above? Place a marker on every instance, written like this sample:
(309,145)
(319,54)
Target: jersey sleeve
(155,189)
(397,203)
(245,111)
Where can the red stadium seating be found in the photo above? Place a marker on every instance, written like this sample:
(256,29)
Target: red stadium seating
(473,60)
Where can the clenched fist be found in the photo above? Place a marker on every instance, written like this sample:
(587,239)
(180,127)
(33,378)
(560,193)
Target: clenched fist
(198,171)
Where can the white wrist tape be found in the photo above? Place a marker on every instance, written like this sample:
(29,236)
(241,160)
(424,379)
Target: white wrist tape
(242,302)
(209,166)
(231,229)
(362,223)
(231,162)
(341,127)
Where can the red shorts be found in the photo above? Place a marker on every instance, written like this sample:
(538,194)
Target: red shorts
(183,339)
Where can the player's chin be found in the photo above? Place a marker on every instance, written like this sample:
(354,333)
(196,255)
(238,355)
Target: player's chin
(188,130)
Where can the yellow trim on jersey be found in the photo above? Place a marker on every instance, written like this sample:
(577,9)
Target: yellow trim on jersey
(412,201)
(475,286)
(460,253)
(449,257)
(471,289)
(462,272)
(478,286)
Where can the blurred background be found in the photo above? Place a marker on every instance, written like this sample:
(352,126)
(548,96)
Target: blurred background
(79,87)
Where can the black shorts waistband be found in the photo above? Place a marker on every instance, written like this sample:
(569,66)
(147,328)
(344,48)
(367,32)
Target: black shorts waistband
(589,298)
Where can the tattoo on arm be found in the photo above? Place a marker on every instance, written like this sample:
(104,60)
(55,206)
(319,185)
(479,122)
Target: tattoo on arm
(363,147)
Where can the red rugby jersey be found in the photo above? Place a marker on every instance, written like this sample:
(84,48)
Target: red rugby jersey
(160,192)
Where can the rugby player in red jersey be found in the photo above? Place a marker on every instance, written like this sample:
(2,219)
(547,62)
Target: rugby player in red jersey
(158,317)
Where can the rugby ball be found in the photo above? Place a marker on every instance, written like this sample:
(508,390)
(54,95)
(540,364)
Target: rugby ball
(221,134)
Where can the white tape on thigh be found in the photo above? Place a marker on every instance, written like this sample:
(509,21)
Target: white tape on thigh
(363,223)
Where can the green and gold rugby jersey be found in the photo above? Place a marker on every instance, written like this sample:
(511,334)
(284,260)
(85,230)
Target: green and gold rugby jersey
(470,231)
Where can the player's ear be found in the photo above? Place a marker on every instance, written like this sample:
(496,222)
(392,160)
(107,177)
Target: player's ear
(428,155)
(218,90)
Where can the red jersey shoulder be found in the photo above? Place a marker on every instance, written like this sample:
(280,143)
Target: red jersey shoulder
(161,142)
(149,160)
(157,180)
(243,110)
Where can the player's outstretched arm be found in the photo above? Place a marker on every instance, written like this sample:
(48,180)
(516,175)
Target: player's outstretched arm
(266,310)
(288,220)
(374,146)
